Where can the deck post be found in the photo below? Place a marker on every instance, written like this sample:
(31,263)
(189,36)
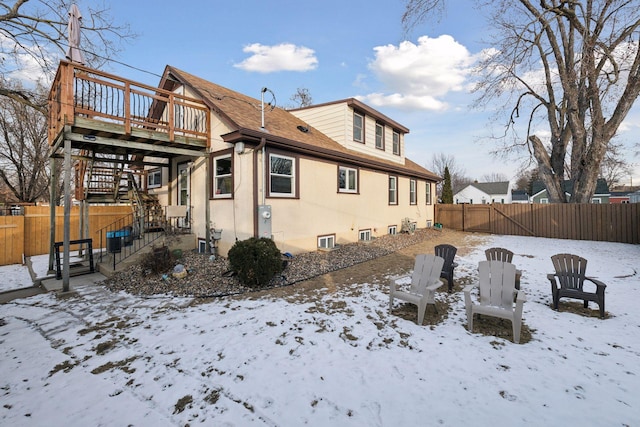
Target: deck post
(52,204)
(67,214)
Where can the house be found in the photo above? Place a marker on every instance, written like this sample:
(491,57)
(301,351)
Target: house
(539,191)
(311,178)
(621,194)
(519,196)
(484,192)
(634,197)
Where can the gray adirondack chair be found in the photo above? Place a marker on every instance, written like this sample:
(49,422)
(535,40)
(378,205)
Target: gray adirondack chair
(496,295)
(504,255)
(425,280)
(568,281)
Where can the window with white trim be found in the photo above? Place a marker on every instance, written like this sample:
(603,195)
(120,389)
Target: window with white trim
(364,235)
(327,242)
(427,193)
(379,136)
(396,143)
(281,176)
(347,180)
(545,201)
(222,177)
(392,229)
(393,190)
(596,200)
(358,127)
(413,193)
(154,178)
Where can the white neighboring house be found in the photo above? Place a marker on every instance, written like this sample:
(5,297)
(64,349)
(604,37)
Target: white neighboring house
(480,193)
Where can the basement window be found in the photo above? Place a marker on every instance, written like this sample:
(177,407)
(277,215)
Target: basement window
(327,242)
(364,235)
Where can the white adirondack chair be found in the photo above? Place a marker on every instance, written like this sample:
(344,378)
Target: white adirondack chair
(497,291)
(425,279)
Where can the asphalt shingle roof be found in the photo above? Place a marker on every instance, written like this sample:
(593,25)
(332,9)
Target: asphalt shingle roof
(243,113)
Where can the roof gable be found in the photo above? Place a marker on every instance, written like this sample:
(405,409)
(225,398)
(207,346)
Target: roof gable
(567,186)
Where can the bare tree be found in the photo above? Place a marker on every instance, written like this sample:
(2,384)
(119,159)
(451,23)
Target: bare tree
(23,150)
(494,177)
(569,69)
(440,162)
(34,38)
(614,169)
(302,98)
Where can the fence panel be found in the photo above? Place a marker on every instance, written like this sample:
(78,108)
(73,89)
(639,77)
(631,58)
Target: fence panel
(11,234)
(600,222)
(37,225)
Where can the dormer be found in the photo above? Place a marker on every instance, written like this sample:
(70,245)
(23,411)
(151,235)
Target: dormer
(358,127)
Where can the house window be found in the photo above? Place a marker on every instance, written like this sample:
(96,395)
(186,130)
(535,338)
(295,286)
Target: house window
(154,178)
(379,136)
(358,127)
(396,143)
(364,235)
(222,176)
(347,180)
(393,190)
(428,193)
(413,195)
(327,242)
(545,201)
(281,176)
(392,229)
(596,200)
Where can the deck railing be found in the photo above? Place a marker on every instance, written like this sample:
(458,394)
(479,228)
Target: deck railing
(85,92)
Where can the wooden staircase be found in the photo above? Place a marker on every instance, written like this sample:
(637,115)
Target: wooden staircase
(110,178)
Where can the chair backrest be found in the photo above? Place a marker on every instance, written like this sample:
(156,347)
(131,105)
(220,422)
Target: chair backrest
(426,271)
(497,283)
(448,253)
(499,254)
(570,270)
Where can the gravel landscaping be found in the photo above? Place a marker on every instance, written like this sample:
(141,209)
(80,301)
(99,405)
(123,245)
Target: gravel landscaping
(208,277)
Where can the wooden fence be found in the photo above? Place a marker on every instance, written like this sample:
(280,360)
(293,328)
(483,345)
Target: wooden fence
(29,235)
(601,222)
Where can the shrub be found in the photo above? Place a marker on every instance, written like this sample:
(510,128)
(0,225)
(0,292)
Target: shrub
(159,260)
(255,261)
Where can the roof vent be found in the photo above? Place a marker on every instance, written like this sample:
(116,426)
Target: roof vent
(303,129)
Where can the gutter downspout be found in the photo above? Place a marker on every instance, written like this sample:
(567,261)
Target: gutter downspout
(259,148)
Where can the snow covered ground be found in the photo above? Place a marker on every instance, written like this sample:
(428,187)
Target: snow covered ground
(339,359)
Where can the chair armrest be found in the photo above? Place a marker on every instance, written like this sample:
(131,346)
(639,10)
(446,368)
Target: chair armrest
(520,296)
(467,289)
(597,282)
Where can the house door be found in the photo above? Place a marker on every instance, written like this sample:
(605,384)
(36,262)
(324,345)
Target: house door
(184,186)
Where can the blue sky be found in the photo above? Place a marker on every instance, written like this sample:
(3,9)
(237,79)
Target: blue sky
(336,50)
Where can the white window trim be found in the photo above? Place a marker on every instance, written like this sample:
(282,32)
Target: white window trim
(292,176)
(396,147)
(395,190)
(596,200)
(216,176)
(151,177)
(380,126)
(544,200)
(427,193)
(346,180)
(392,229)
(413,192)
(362,139)
(327,242)
(364,235)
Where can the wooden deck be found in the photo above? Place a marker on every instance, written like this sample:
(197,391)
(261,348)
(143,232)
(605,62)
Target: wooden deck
(104,113)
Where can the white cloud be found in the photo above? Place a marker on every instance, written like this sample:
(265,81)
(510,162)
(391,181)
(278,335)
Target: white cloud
(403,102)
(20,63)
(417,75)
(281,57)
